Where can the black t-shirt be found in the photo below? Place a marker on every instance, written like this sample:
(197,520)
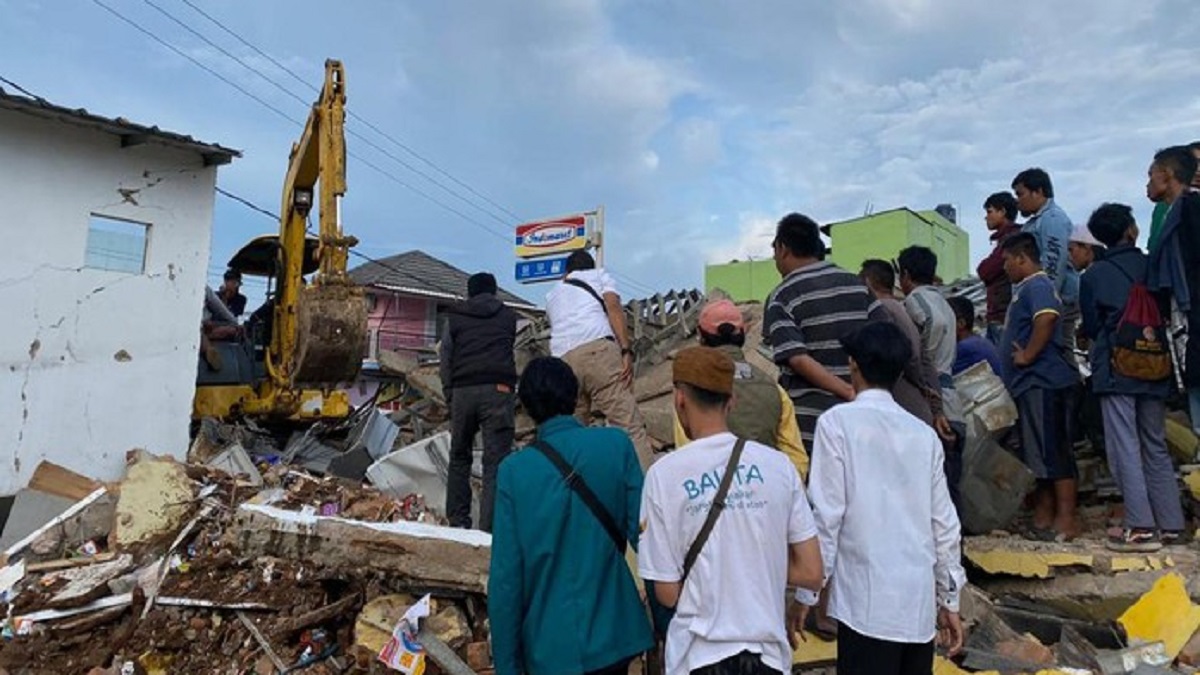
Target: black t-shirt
(236,304)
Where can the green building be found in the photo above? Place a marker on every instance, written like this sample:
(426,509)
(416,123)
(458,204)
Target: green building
(743,280)
(879,235)
(884,235)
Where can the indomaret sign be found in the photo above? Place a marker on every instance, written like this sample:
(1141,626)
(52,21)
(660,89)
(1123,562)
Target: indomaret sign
(553,237)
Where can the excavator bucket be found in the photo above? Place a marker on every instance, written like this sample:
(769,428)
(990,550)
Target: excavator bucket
(331,334)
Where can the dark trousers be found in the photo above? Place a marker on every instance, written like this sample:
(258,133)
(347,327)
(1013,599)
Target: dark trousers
(954,463)
(858,654)
(746,663)
(489,408)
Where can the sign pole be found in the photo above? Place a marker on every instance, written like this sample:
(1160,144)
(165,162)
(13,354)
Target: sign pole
(600,236)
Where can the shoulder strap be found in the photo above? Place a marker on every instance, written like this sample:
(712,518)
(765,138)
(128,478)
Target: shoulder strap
(591,291)
(715,510)
(575,483)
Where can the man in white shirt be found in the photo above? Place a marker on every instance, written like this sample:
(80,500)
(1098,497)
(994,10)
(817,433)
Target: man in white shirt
(730,600)
(587,330)
(889,533)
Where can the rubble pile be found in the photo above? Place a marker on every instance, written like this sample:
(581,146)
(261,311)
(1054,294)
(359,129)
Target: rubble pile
(185,568)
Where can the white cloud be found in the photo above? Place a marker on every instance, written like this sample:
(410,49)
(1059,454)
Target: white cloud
(650,159)
(755,231)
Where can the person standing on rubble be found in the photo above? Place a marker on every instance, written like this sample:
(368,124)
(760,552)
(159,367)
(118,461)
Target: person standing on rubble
(1133,409)
(937,324)
(912,387)
(761,411)
(1174,265)
(889,534)
(726,527)
(1000,214)
(478,373)
(1051,226)
(1041,377)
(561,597)
(587,330)
(816,303)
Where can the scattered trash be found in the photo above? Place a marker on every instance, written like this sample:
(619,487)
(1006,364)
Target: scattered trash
(403,652)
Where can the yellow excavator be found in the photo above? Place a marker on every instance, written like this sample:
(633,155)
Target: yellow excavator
(298,349)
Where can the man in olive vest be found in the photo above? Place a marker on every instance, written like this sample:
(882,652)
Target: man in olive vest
(762,410)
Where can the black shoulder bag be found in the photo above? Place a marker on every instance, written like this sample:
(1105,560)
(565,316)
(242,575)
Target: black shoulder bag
(575,483)
(591,291)
(714,511)
(662,615)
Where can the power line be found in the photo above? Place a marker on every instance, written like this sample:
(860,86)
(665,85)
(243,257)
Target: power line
(293,95)
(369,125)
(430,163)
(195,61)
(21,89)
(277,111)
(247,203)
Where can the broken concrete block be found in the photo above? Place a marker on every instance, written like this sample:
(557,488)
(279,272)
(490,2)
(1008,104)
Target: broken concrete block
(1165,614)
(31,509)
(156,497)
(374,625)
(1026,650)
(63,529)
(450,626)
(85,584)
(235,462)
(427,554)
(479,656)
(1023,559)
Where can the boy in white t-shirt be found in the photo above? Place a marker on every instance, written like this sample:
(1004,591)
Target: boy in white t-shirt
(730,604)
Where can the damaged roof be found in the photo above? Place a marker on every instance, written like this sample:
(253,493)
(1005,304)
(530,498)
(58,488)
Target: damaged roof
(130,133)
(418,273)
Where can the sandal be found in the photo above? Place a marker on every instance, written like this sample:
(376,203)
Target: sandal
(811,626)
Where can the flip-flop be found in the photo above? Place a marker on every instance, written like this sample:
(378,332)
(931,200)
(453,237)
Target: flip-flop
(1034,533)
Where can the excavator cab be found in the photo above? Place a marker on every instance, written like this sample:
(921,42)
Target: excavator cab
(307,341)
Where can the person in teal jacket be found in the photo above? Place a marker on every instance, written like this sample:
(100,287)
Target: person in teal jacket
(561,597)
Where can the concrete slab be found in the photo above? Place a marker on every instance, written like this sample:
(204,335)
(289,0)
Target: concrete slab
(31,509)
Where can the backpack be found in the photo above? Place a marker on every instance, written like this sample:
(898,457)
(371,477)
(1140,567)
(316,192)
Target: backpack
(1140,350)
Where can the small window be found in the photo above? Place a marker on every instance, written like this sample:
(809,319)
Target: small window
(116,245)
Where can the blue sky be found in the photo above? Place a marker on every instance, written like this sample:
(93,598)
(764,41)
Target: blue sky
(697,124)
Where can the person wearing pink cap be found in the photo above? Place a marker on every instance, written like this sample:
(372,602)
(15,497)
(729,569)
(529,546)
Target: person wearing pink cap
(762,410)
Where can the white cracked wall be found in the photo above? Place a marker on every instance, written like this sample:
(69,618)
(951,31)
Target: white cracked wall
(95,363)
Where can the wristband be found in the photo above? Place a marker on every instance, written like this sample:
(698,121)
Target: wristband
(806,597)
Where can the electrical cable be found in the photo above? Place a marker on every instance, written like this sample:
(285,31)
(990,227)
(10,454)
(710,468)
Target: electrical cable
(504,237)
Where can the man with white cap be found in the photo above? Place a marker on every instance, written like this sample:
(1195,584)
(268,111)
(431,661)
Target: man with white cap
(1083,248)
(762,410)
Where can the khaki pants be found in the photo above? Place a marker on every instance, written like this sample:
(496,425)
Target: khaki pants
(597,366)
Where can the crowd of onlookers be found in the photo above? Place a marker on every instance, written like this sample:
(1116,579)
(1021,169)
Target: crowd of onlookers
(836,479)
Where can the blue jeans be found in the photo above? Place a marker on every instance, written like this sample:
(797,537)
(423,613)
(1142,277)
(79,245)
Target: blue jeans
(994,332)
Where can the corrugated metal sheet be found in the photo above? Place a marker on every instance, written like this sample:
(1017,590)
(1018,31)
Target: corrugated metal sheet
(130,133)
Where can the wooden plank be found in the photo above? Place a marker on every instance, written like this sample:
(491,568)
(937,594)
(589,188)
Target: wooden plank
(61,481)
(69,563)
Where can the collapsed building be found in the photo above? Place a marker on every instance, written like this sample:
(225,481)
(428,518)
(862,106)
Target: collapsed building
(268,555)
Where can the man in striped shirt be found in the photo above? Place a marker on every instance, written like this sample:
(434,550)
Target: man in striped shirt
(815,305)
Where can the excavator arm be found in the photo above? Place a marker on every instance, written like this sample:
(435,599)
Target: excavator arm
(319,327)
